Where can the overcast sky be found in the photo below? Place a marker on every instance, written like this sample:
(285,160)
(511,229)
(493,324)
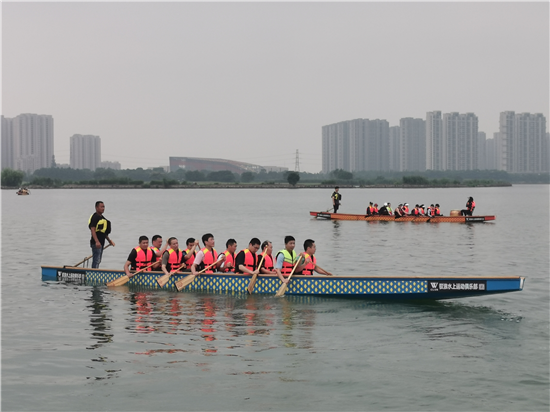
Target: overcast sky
(256,81)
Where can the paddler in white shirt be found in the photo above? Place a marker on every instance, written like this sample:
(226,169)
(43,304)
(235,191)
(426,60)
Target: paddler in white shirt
(207,256)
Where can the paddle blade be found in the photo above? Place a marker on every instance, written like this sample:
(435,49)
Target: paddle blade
(163,280)
(252,283)
(182,283)
(281,290)
(119,281)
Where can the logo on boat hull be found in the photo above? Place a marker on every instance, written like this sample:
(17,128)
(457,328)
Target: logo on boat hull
(71,274)
(475,219)
(457,286)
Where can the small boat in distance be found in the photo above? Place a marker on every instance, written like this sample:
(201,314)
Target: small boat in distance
(388,218)
(433,287)
(23,191)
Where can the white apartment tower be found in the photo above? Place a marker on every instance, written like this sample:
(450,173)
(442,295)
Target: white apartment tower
(85,152)
(435,145)
(523,137)
(460,136)
(27,142)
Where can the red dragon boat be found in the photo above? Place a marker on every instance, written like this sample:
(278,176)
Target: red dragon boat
(386,218)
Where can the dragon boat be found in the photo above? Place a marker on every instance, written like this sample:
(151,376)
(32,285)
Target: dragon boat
(371,287)
(391,218)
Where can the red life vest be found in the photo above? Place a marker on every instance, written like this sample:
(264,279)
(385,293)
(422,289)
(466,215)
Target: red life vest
(415,211)
(143,258)
(370,210)
(189,261)
(268,263)
(209,258)
(375,210)
(308,270)
(471,206)
(406,209)
(437,212)
(174,259)
(229,258)
(249,261)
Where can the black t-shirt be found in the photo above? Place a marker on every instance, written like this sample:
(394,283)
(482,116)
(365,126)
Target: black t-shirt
(100,235)
(337,197)
(239,260)
(133,255)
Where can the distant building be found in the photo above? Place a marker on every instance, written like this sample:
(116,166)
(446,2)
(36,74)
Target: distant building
(395,148)
(85,152)
(110,165)
(435,145)
(481,151)
(523,137)
(212,165)
(413,144)
(27,142)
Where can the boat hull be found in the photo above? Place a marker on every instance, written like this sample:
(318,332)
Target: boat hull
(386,218)
(374,287)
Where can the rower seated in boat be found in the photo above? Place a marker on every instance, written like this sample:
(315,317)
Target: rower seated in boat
(286,259)
(311,261)
(140,257)
(246,261)
(268,267)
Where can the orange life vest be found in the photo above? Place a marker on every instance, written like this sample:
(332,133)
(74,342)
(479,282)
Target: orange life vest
(229,258)
(308,270)
(189,261)
(174,259)
(209,258)
(268,263)
(289,262)
(249,261)
(143,259)
(471,206)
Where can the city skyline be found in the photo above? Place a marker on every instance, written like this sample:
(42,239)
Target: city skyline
(255,82)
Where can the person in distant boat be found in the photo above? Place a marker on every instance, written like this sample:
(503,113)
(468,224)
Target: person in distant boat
(158,250)
(376,211)
(470,206)
(286,259)
(140,257)
(246,261)
(336,199)
(415,211)
(100,229)
(207,256)
(370,210)
(310,264)
(384,210)
(268,266)
(430,210)
(229,264)
(389,209)
(190,252)
(172,258)
(399,212)
(437,210)
(406,208)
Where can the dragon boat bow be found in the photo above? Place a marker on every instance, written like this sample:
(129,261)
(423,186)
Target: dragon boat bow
(373,287)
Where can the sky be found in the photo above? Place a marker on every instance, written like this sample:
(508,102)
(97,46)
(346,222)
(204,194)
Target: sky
(256,81)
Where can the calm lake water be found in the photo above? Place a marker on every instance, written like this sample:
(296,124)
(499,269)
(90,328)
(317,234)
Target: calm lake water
(68,347)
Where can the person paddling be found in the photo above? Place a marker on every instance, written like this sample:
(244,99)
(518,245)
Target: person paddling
(158,250)
(140,257)
(190,252)
(172,256)
(229,264)
(247,261)
(268,267)
(286,259)
(311,260)
(207,256)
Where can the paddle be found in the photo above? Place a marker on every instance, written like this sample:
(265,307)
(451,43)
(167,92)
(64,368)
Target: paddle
(163,280)
(283,287)
(89,257)
(124,279)
(330,209)
(180,284)
(250,288)
(324,270)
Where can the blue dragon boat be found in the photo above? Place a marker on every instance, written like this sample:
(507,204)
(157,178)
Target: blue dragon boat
(373,287)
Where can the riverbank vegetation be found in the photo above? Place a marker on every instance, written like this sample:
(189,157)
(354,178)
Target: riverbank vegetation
(159,178)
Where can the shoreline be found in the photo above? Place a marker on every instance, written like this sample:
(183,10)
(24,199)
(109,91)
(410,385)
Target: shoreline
(253,186)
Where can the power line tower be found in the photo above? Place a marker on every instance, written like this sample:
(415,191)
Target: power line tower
(297,164)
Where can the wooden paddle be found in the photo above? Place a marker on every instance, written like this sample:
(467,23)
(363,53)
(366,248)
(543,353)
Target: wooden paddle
(283,287)
(163,280)
(89,257)
(250,288)
(124,279)
(180,284)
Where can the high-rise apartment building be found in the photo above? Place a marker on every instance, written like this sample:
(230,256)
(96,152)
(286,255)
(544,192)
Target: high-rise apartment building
(460,136)
(523,138)
(27,142)
(435,145)
(395,148)
(85,152)
(356,145)
(481,151)
(413,144)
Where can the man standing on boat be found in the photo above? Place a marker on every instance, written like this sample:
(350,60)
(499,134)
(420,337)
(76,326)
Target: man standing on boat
(140,257)
(336,198)
(247,261)
(286,259)
(207,256)
(311,260)
(100,229)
